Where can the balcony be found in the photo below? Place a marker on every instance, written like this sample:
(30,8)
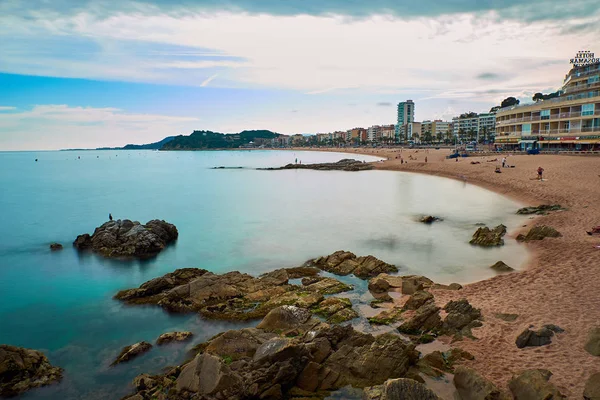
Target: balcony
(573,114)
(580,87)
(580,74)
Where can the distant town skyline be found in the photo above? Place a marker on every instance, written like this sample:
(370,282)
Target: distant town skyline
(85,74)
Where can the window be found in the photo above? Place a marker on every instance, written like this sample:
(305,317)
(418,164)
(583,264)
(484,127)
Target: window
(526,129)
(587,109)
(594,79)
(545,114)
(567,125)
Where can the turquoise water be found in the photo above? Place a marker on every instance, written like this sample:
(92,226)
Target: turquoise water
(229,219)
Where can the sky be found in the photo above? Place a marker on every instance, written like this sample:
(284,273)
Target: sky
(87,73)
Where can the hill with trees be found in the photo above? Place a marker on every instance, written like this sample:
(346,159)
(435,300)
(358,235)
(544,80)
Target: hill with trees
(201,140)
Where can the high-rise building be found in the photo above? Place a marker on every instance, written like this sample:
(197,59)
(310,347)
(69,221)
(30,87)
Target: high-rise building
(406,115)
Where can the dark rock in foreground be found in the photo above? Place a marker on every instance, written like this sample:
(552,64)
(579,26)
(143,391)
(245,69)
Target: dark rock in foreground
(233,296)
(541,337)
(400,389)
(342,165)
(489,237)
(56,246)
(539,233)
(592,345)
(472,386)
(540,210)
(24,369)
(170,337)
(592,387)
(501,267)
(131,352)
(125,238)
(346,263)
(429,219)
(294,355)
(533,385)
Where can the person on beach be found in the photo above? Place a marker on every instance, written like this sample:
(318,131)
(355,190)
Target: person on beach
(109,216)
(540,171)
(425,158)
(503,162)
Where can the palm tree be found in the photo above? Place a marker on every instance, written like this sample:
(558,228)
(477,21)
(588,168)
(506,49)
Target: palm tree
(440,136)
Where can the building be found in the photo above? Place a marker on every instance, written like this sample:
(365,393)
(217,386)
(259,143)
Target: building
(411,131)
(570,121)
(406,115)
(374,133)
(486,127)
(466,126)
(436,128)
(388,133)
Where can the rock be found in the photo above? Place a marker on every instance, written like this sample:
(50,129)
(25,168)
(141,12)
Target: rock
(56,246)
(284,317)
(489,237)
(24,369)
(592,387)
(400,389)
(130,352)
(301,272)
(387,316)
(336,310)
(417,299)
(170,337)
(429,219)
(542,209)
(344,315)
(472,386)
(414,283)
(533,385)
(124,238)
(425,319)
(452,286)
(342,165)
(592,345)
(346,263)
(378,285)
(230,296)
(461,318)
(507,317)
(539,233)
(501,267)
(207,374)
(541,337)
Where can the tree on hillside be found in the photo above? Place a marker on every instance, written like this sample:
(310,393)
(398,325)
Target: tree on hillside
(494,109)
(509,101)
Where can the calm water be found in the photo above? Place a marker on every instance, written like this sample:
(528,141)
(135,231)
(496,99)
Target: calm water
(233,219)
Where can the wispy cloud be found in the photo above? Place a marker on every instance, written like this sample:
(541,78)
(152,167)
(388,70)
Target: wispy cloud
(85,127)
(384,104)
(208,80)
(7,108)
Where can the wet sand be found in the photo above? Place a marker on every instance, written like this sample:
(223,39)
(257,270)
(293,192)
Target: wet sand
(561,284)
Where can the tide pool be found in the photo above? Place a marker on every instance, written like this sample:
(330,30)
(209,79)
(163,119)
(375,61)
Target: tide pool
(228,219)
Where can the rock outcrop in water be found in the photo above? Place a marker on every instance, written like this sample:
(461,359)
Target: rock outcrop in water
(233,296)
(539,233)
(170,337)
(540,210)
(130,352)
(342,165)
(125,238)
(487,237)
(345,263)
(24,369)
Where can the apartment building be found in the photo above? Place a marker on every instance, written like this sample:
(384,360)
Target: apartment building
(374,133)
(388,132)
(569,121)
(473,126)
(436,127)
(405,116)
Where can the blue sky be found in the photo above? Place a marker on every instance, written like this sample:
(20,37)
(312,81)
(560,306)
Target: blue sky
(105,73)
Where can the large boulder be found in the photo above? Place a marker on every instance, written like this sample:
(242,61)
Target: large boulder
(417,300)
(592,345)
(539,233)
(461,318)
(425,319)
(56,246)
(414,283)
(24,369)
(131,352)
(284,317)
(501,267)
(346,263)
(125,238)
(541,337)
(542,209)
(400,389)
(429,219)
(592,387)
(472,386)
(170,337)
(534,384)
(487,237)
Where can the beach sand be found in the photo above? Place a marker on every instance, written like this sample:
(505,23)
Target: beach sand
(561,284)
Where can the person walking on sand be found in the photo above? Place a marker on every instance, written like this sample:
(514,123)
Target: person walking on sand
(540,171)
(503,162)
(425,158)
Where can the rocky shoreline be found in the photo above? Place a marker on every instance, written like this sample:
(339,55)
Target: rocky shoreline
(342,165)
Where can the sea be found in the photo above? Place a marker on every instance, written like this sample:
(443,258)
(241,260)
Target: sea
(232,218)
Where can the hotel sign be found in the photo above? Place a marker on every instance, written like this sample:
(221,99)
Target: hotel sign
(584,58)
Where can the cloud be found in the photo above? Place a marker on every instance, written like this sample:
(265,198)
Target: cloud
(512,9)
(488,76)
(208,80)
(7,108)
(384,104)
(72,127)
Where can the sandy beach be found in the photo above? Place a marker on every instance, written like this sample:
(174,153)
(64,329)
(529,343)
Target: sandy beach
(561,284)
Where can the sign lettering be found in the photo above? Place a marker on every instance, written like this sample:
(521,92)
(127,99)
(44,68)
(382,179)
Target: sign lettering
(584,58)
